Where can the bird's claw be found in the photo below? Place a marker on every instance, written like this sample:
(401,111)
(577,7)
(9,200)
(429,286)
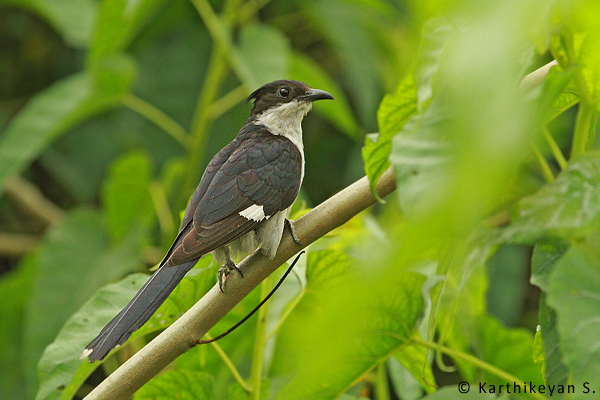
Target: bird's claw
(290,226)
(224,272)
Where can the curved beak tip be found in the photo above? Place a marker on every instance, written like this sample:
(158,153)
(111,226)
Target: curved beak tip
(317,94)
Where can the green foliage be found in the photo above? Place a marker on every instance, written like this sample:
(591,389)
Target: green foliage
(189,385)
(573,293)
(126,196)
(265,53)
(422,284)
(566,209)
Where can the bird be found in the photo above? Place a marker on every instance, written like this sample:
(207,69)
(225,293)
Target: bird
(240,205)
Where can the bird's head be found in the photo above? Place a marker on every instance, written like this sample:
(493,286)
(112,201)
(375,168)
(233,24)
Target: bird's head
(285,97)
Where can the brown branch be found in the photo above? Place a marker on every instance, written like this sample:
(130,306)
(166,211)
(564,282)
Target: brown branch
(16,244)
(193,325)
(32,200)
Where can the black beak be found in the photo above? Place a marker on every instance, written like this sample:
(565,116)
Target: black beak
(316,94)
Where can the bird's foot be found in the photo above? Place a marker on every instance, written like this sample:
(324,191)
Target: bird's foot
(224,272)
(290,225)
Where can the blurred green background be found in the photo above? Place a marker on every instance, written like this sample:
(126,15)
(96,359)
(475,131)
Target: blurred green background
(110,110)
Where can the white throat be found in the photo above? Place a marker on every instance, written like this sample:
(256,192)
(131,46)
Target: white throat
(286,120)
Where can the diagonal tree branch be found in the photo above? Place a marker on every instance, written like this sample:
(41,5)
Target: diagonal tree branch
(193,325)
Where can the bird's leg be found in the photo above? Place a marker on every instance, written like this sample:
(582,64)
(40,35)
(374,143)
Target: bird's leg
(226,268)
(290,225)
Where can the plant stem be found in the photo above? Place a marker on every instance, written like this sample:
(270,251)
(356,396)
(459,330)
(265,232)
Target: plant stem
(259,342)
(217,70)
(225,103)
(585,125)
(546,171)
(236,375)
(558,155)
(585,129)
(161,206)
(382,390)
(285,314)
(475,362)
(250,8)
(221,37)
(158,117)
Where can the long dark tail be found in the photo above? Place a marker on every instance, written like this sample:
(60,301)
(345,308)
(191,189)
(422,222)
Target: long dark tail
(138,311)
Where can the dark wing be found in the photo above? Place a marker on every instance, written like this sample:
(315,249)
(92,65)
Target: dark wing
(263,171)
(209,173)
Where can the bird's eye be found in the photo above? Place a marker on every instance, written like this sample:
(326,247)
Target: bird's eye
(284,92)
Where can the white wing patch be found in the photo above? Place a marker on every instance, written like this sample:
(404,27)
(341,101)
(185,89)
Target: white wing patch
(254,212)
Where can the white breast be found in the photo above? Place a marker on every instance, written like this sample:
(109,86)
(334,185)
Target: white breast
(286,120)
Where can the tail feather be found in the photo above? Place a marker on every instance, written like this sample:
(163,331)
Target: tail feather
(138,311)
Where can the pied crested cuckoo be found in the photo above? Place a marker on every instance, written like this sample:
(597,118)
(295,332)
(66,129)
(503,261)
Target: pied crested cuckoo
(241,203)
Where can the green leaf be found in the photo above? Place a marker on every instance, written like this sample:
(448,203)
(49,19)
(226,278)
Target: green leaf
(342,328)
(52,112)
(394,111)
(422,166)
(184,385)
(566,209)
(538,351)
(338,112)
(413,358)
(60,369)
(74,261)
(265,54)
(574,293)
(459,304)
(516,356)
(405,385)
(555,371)
(73,19)
(14,289)
(117,23)
(542,262)
(453,393)
(126,195)
(566,98)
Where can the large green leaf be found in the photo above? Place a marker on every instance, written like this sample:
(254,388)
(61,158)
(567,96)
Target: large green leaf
(405,385)
(73,19)
(342,328)
(338,112)
(414,359)
(117,23)
(265,53)
(61,369)
(180,384)
(566,209)
(126,195)
(516,356)
(394,111)
(60,107)
(459,301)
(555,371)
(74,261)
(574,292)
(542,262)
(455,392)
(14,289)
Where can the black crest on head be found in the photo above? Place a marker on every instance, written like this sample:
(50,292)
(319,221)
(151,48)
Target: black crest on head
(277,92)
